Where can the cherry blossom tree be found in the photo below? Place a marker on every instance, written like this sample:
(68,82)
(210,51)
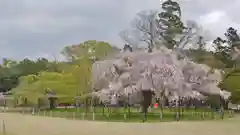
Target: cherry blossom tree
(138,76)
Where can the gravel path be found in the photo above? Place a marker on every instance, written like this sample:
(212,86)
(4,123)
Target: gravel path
(17,124)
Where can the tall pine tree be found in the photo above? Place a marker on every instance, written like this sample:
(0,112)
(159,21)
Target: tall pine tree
(226,49)
(170,23)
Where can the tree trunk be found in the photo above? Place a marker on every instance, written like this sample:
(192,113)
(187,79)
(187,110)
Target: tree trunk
(52,104)
(146,102)
(150,46)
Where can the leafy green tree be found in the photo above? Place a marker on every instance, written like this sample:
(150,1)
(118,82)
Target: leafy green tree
(7,63)
(92,48)
(12,70)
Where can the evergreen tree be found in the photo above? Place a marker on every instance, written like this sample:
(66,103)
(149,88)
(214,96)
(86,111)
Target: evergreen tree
(226,49)
(170,23)
(232,37)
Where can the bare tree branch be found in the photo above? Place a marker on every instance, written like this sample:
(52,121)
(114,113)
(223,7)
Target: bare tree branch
(144,29)
(130,37)
(191,35)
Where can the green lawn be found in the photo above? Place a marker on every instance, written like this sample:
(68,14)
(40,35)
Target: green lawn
(133,114)
(130,114)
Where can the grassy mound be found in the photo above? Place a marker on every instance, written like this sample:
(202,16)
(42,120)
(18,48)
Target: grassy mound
(65,85)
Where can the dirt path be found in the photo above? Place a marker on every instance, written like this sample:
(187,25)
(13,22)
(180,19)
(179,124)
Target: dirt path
(17,124)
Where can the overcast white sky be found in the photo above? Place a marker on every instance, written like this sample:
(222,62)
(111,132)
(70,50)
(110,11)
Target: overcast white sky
(33,28)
